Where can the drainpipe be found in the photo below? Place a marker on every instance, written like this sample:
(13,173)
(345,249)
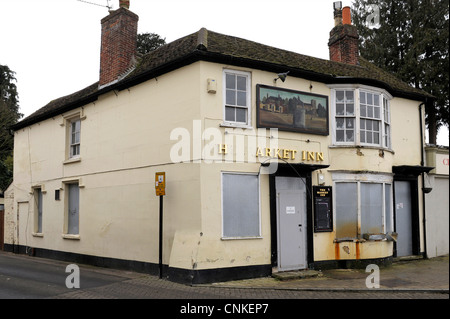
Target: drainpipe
(422,163)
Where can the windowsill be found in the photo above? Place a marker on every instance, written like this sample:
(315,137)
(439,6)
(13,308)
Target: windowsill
(380,148)
(37,235)
(346,239)
(235,125)
(237,238)
(72,160)
(71,236)
(359,240)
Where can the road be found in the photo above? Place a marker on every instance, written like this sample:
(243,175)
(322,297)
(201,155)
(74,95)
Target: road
(23,277)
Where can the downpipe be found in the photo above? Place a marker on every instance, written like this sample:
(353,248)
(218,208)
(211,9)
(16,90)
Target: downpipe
(422,163)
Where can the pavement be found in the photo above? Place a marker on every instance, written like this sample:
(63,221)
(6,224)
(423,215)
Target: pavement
(416,275)
(32,277)
(412,279)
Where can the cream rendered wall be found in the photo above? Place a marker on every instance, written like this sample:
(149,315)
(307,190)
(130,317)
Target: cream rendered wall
(405,122)
(227,253)
(9,221)
(405,150)
(211,250)
(125,139)
(407,144)
(214,251)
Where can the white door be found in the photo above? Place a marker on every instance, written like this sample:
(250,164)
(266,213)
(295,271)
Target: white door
(291,223)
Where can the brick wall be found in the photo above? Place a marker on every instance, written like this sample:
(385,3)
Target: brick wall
(343,44)
(118,45)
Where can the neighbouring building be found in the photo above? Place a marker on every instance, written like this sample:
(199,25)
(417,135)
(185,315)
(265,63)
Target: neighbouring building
(437,207)
(273,160)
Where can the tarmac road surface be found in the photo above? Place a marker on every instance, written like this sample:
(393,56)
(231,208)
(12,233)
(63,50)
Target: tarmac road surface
(24,277)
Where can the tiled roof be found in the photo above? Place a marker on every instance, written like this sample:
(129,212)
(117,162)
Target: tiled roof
(215,47)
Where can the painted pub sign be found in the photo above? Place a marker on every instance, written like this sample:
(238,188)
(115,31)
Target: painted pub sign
(290,110)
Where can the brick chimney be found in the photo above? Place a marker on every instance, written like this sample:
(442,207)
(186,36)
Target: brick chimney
(118,47)
(343,43)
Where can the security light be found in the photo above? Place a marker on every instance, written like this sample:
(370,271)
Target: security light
(281,76)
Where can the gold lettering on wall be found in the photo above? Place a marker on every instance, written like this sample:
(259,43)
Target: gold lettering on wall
(319,157)
(289,154)
(223,149)
(281,153)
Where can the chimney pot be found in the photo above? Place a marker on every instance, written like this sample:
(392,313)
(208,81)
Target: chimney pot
(124,4)
(337,6)
(346,15)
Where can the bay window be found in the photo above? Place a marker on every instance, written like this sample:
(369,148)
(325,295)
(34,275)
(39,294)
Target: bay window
(361,117)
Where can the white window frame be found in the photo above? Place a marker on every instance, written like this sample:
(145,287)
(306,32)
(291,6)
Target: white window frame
(66,123)
(384,179)
(73,144)
(248,107)
(346,117)
(384,121)
(224,236)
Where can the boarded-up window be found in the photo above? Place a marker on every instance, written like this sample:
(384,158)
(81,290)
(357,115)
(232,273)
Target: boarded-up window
(388,208)
(371,208)
(346,210)
(240,200)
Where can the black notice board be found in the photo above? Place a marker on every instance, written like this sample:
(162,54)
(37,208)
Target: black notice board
(323,209)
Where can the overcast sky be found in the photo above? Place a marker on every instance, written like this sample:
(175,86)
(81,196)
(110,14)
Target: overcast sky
(54,45)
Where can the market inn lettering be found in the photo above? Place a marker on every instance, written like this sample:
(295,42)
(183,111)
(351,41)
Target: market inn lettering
(211,145)
(281,153)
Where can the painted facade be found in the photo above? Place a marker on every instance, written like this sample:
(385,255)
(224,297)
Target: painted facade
(237,196)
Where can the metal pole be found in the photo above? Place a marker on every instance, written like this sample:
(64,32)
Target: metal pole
(160,236)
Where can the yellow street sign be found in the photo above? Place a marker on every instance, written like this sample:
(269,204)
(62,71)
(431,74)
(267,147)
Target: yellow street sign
(160,184)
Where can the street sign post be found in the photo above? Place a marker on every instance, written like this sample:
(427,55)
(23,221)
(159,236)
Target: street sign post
(160,187)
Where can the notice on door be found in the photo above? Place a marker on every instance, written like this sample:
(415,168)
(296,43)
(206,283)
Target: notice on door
(290,209)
